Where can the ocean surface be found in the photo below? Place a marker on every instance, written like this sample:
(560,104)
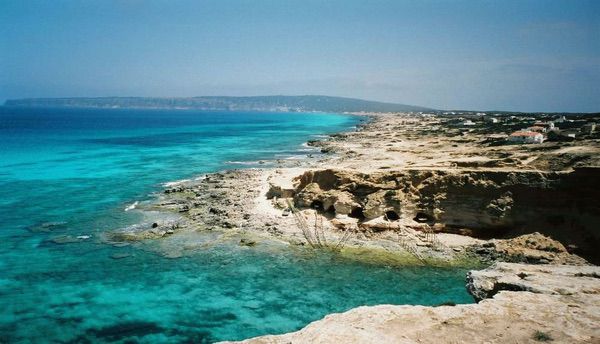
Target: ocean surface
(73,172)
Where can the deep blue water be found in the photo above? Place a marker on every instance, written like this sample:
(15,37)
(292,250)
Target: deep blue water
(73,172)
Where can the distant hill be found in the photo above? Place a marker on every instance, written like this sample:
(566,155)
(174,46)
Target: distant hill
(260,103)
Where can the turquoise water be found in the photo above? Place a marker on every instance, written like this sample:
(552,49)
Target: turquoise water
(74,171)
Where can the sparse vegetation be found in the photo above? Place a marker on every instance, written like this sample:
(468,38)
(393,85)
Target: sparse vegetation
(542,336)
(316,237)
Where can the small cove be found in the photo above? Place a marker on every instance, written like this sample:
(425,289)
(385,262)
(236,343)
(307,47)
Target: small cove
(74,171)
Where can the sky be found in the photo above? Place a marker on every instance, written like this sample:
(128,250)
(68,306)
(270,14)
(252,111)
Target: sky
(496,55)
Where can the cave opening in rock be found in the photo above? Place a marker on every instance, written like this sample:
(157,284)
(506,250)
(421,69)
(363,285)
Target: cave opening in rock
(318,205)
(391,215)
(422,217)
(357,213)
(556,220)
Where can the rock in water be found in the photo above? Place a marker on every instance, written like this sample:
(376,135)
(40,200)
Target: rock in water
(247,242)
(64,239)
(120,255)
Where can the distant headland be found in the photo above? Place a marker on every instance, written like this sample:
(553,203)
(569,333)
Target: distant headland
(257,103)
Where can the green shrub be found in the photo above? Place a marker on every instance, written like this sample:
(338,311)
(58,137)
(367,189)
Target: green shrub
(542,336)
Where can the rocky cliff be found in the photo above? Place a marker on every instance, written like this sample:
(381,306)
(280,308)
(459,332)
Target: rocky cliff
(484,204)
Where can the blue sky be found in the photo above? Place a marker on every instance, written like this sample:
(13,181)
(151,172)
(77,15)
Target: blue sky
(512,55)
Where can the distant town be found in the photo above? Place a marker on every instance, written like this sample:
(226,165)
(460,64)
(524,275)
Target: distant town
(518,128)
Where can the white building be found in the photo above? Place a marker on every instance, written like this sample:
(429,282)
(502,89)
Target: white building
(561,119)
(588,128)
(526,137)
(547,125)
(538,129)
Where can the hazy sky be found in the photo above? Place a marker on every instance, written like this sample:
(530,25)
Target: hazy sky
(513,55)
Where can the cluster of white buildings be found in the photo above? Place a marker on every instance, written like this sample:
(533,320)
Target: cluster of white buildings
(526,137)
(533,134)
(540,130)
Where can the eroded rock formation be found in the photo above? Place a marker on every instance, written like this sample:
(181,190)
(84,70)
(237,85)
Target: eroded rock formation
(483,204)
(539,279)
(532,248)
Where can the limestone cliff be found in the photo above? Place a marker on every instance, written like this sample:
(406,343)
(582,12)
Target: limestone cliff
(484,204)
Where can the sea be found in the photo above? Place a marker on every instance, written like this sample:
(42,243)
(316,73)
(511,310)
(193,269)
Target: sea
(78,173)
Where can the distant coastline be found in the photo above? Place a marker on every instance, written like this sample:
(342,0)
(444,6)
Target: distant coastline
(307,103)
(277,103)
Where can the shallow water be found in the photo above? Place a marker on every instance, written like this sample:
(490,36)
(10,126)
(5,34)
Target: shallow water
(75,171)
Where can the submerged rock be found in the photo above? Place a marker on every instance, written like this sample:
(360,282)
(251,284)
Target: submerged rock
(64,239)
(247,242)
(173,254)
(120,255)
(144,231)
(132,330)
(47,227)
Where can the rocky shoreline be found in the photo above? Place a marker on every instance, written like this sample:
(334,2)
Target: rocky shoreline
(411,190)
(520,303)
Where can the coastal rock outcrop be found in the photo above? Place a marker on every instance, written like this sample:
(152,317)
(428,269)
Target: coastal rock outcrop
(532,248)
(539,279)
(338,201)
(143,231)
(482,204)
